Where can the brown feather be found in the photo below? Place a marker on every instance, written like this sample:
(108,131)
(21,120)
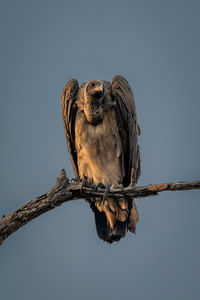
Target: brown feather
(124,98)
(69,110)
(103,145)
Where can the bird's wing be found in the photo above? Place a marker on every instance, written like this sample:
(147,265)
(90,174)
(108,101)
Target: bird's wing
(127,120)
(69,110)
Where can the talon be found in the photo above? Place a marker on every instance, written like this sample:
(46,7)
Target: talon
(93,187)
(99,185)
(83,183)
(107,190)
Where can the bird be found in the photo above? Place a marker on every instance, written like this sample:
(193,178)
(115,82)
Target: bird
(102,130)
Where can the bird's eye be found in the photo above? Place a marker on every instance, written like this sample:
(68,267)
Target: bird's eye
(92,84)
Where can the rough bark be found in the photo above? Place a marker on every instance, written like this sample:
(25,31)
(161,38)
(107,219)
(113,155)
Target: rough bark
(65,190)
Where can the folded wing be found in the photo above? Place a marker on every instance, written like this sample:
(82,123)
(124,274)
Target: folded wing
(127,120)
(69,110)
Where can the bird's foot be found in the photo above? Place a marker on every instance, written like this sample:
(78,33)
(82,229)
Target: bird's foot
(99,185)
(89,185)
(107,191)
(117,187)
(109,188)
(84,183)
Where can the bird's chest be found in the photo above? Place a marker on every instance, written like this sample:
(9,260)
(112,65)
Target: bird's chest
(99,148)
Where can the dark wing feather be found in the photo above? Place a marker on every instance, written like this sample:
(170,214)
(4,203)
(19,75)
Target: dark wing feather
(128,127)
(69,110)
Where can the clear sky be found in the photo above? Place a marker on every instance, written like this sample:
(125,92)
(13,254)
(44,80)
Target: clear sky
(155,45)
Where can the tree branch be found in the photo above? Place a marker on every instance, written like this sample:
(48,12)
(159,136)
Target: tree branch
(65,190)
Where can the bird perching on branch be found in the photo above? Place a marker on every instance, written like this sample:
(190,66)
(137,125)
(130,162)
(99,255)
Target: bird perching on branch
(101,128)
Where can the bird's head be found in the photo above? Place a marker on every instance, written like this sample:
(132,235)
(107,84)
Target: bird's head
(93,101)
(95,91)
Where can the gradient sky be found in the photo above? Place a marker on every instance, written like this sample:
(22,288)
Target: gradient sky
(156,45)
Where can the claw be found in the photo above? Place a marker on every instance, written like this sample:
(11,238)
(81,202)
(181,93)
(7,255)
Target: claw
(99,185)
(107,190)
(87,184)
(83,184)
(93,187)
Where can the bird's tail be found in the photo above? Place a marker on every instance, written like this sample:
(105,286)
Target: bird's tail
(114,218)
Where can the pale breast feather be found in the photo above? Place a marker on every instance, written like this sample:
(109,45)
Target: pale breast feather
(99,149)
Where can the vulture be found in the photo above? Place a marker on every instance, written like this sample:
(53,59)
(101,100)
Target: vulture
(102,132)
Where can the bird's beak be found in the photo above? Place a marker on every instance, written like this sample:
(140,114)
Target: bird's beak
(99,88)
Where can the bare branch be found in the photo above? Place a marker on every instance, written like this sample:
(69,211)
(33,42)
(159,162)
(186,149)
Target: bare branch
(65,190)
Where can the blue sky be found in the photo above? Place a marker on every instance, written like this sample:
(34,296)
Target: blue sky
(156,46)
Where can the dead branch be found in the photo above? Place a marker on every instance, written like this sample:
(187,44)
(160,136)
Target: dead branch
(65,190)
